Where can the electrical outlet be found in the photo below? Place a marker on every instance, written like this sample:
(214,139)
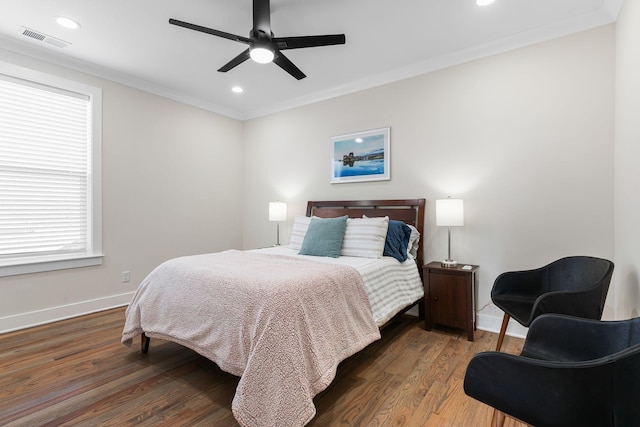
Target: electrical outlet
(125,276)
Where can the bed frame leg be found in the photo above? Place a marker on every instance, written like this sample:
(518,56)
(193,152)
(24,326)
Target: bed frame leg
(144,343)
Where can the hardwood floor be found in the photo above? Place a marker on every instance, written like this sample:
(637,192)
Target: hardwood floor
(76,372)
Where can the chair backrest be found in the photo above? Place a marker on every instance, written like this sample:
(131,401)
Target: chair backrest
(565,338)
(607,395)
(579,273)
(615,388)
(626,388)
(555,391)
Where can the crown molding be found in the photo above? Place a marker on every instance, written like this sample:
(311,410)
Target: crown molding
(607,14)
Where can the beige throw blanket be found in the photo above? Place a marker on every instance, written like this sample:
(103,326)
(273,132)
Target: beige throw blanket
(282,324)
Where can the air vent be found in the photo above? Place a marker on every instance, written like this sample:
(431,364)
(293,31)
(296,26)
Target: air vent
(37,35)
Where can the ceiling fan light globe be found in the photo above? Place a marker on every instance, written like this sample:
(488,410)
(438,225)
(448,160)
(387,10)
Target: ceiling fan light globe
(261,55)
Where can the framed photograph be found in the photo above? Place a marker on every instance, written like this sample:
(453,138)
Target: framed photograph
(361,156)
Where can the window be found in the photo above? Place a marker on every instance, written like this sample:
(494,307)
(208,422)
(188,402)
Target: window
(50,174)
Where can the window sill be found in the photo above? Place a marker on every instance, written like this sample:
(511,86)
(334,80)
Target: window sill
(37,265)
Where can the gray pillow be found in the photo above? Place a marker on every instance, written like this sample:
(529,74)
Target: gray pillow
(324,237)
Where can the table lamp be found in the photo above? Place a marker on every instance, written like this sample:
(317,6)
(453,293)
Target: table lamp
(277,213)
(449,213)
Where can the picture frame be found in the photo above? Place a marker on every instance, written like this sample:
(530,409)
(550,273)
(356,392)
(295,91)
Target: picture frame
(361,156)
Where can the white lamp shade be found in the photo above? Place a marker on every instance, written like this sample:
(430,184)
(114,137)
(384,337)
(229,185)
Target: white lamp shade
(277,211)
(450,212)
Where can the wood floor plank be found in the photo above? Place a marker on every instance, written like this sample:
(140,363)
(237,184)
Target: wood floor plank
(76,372)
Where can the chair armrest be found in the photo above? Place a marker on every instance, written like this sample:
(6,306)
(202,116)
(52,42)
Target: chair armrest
(565,338)
(526,283)
(580,303)
(538,391)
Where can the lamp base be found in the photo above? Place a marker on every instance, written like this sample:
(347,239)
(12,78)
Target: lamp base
(448,263)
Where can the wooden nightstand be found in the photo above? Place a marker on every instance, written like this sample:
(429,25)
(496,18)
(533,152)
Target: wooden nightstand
(449,296)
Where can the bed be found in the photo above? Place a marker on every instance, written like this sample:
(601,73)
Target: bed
(283,318)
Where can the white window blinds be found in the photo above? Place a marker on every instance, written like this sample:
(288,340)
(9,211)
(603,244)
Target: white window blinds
(45,170)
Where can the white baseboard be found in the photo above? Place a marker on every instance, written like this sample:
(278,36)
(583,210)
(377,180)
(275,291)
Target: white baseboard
(489,318)
(53,314)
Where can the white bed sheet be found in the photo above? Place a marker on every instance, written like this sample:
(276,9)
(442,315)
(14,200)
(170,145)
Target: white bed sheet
(390,285)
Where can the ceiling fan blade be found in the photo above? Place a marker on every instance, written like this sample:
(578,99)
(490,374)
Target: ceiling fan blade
(235,61)
(261,18)
(308,41)
(284,63)
(210,31)
(261,37)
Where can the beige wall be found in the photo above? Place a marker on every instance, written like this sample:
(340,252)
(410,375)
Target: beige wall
(627,155)
(524,137)
(172,185)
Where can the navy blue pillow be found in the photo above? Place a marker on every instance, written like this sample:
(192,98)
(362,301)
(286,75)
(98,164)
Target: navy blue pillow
(398,235)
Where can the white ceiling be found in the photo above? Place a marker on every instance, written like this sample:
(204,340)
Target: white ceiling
(131,42)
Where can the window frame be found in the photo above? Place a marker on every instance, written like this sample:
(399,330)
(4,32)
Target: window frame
(93,256)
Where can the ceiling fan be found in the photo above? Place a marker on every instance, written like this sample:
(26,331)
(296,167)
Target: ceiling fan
(263,46)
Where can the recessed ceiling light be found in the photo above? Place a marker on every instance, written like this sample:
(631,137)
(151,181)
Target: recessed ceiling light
(484,2)
(67,22)
(237,89)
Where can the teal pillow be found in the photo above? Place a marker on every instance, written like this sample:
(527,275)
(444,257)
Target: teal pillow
(324,237)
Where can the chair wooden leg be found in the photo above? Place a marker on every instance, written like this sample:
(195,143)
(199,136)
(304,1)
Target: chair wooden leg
(498,418)
(503,330)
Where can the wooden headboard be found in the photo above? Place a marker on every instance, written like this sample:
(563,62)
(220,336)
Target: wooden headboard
(410,211)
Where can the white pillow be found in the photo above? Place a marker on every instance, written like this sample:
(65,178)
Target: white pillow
(365,237)
(298,231)
(414,242)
